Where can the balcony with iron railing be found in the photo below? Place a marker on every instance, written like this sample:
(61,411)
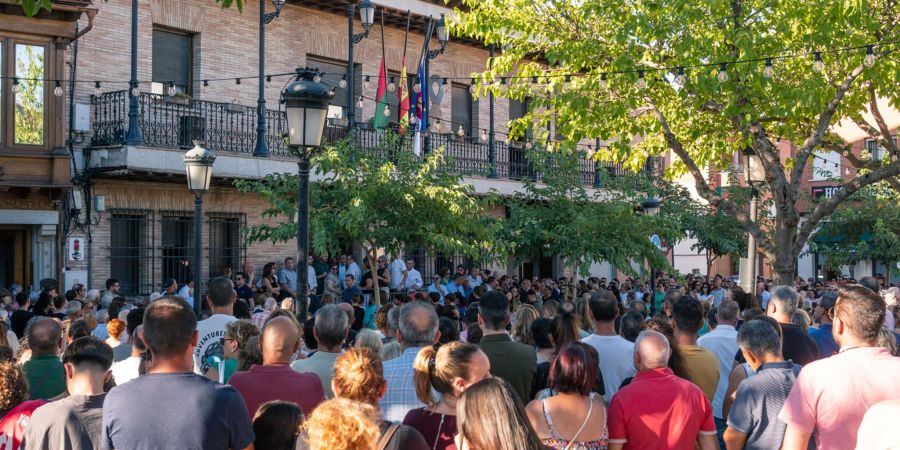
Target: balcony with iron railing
(168,122)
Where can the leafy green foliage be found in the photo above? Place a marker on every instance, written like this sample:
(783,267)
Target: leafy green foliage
(29,106)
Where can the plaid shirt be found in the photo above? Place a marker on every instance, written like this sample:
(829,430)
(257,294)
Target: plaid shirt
(400,397)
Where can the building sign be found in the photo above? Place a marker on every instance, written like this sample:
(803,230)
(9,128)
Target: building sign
(827,192)
(76,253)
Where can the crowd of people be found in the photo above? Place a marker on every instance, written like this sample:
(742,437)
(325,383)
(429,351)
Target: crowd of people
(473,360)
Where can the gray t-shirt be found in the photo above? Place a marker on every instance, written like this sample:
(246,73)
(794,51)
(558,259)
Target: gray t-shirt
(73,423)
(758,401)
(121,352)
(175,410)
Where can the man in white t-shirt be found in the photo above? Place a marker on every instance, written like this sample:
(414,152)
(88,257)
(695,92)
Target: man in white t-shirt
(212,330)
(414,280)
(616,353)
(128,368)
(399,274)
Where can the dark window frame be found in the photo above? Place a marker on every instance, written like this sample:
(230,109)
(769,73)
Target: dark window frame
(132,264)
(189,83)
(222,255)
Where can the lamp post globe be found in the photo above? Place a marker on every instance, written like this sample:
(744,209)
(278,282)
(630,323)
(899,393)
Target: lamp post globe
(367,14)
(651,205)
(306,104)
(754,173)
(198,166)
(442,33)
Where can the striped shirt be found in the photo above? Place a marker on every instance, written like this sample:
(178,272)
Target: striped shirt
(759,400)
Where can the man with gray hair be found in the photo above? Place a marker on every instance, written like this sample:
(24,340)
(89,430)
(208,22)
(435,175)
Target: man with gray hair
(418,328)
(723,343)
(330,329)
(753,418)
(797,345)
(675,409)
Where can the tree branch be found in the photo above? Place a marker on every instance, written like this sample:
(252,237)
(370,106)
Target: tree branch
(827,207)
(886,138)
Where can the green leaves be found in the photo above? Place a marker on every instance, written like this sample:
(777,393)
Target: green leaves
(32,7)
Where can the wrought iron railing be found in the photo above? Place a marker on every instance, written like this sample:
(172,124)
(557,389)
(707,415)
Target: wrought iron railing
(175,122)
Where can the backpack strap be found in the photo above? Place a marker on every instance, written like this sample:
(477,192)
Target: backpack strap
(388,435)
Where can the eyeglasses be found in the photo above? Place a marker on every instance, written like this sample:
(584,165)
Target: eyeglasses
(225,339)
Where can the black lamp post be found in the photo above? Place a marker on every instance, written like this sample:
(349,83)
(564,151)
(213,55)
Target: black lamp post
(198,166)
(754,175)
(306,104)
(134,131)
(651,207)
(367,17)
(443,37)
(262,147)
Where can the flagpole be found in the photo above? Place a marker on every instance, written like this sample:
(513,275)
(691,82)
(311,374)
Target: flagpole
(406,36)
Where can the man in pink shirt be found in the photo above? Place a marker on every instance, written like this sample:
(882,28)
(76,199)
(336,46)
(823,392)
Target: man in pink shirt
(274,379)
(831,395)
(657,410)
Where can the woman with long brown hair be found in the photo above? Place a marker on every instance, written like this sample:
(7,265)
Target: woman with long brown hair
(491,417)
(447,371)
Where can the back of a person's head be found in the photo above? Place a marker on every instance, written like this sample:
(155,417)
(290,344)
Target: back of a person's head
(359,375)
(220,291)
(727,311)
(687,314)
(110,282)
(493,307)
(89,353)
(759,337)
(672,295)
(449,330)
(44,335)
(22,298)
(276,425)
(74,307)
(115,306)
(574,370)
(786,299)
(604,306)
(653,348)
(249,355)
(169,325)
(241,331)
(391,350)
(872,283)
(861,310)
(78,329)
(631,325)
(436,369)
(491,416)
(540,332)
(741,297)
(418,324)
(331,326)
(563,329)
(342,424)
(13,386)
(133,320)
(115,328)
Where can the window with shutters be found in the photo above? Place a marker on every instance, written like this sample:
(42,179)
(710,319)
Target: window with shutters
(332,73)
(172,61)
(177,247)
(461,109)
(518,110)
(131,250)
(225,247)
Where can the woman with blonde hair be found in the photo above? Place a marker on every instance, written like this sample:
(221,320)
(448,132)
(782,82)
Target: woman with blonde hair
(521,329)
(359,376)
(447,371)
(491,417)
(341,424)
(237,334)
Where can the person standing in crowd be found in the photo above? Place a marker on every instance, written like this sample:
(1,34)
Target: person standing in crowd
(414,280)
(418,328)
(563,421)
(287,278)
(209,415)
(133,319)
(15,408)
(752,420)
(437,287)
(129,368)
(701,364)
(187,290)
(719,293)
(630,325)
(399,274)
(243,289)
(276,425)
(615,352)
(341,424)
(723,343)
(823,334)
(20,317)
(490,415)
(447,371)
(77,419)
(797,345)
(351,288)
(208,350)
(46,374)
(274,379)
(237,334)
(359,376)
(831,395)
(268,283)
(330,330)
(658,410)
(333,283)
(112,291)
(170,287)
(352,268)
(513,361)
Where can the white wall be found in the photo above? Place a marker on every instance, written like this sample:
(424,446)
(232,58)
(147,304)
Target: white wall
(687,260)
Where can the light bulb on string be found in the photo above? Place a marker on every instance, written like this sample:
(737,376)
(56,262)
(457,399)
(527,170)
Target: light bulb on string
(392,86)
(318,78)
(869,60)
(170,89)
(472,87)
(484,136)
(343,83)
(268,81)
(367,83)
(359,102)
(768,70)
(417,88)
(413,119)
(15,86)
(534,80)
(641,82)
(206,86)
(387,111)
(444,81)
(603,82)
(460,131)
(568,80)
(237,81)
(97,90)
(528,145)
(436,126)
(435,87)
(136,90)
(58,90)
(680,79)
(723,73)
(818,65)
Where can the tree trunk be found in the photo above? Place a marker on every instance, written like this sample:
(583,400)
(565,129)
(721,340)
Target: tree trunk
(374,267)
(784,264)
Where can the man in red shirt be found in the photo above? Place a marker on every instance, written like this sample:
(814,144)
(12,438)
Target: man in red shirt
(275,379)
(659,410)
